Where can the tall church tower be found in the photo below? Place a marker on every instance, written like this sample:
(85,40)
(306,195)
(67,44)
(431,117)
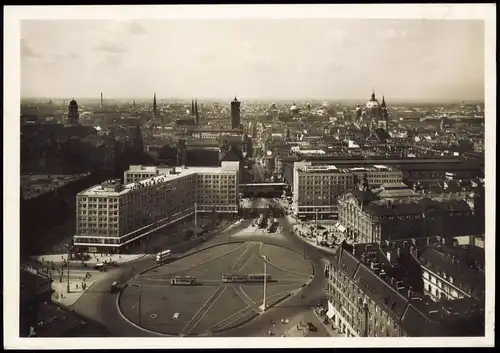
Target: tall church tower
(383,122)
(73,116)
(235,114)
(154,105)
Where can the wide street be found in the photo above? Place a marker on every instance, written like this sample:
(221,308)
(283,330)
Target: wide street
(102,306)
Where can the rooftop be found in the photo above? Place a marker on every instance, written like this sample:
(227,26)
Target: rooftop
(385,274)
(464,264)
(163,175)
(34,185)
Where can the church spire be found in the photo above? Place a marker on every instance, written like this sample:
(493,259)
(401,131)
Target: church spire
(192,107)
(383,101)
(154,104)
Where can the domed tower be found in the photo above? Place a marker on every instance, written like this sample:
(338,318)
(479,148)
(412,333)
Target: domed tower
(373,109)
(73,115)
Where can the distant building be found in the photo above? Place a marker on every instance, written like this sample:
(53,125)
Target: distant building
(212,133)
(247,146)
(235,114)
(376,290)
(73,115)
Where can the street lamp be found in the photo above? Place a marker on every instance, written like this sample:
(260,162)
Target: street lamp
(67,265)
(263,307)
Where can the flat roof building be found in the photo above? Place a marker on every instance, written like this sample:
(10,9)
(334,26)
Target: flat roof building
(113,214)
(317,187)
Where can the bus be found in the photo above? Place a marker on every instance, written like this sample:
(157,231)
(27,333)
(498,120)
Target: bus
(234,278)
(258,277)
(162,256)
(183,280)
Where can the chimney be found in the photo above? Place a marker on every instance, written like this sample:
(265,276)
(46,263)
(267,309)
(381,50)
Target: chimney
(410,292)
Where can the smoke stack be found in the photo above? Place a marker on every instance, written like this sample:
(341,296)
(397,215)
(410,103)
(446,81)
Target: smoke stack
(101,100)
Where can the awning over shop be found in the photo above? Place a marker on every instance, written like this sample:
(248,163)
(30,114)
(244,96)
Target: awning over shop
(330,313)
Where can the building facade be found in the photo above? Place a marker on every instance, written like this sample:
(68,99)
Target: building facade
(370,218)
(113,214)
(375,290)
(316,188)
(453,272)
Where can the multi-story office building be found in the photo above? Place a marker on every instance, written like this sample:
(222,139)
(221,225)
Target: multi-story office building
(376,290)
(367,217)
(114,214)
(316,187)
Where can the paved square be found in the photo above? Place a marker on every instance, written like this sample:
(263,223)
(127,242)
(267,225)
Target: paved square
(210,306)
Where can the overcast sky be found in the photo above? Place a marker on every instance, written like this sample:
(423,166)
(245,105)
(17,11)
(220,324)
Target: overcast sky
(255,59)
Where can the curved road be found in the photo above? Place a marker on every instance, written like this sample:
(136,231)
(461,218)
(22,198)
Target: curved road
(100,305)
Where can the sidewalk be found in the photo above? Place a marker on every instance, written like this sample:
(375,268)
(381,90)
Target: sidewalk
(62,297)
(328,327)
(95,258)
(299,228)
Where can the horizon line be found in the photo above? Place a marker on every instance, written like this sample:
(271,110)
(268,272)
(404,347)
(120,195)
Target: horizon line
(322,99)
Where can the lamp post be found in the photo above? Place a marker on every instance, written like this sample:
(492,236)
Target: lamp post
(140,316)
(67,265)
(196,226)
(263,307)
(195,219)
(316,210)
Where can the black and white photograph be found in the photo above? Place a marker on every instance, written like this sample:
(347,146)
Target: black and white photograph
(301,175)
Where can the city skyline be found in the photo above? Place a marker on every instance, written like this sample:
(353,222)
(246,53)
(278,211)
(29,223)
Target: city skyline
(256,59)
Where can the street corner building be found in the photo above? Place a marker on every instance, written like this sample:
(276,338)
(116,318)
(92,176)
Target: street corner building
(317,187)
(113,214)
(407,289)
(394,212)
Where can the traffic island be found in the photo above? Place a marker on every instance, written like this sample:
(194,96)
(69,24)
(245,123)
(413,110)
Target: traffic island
(210,305)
